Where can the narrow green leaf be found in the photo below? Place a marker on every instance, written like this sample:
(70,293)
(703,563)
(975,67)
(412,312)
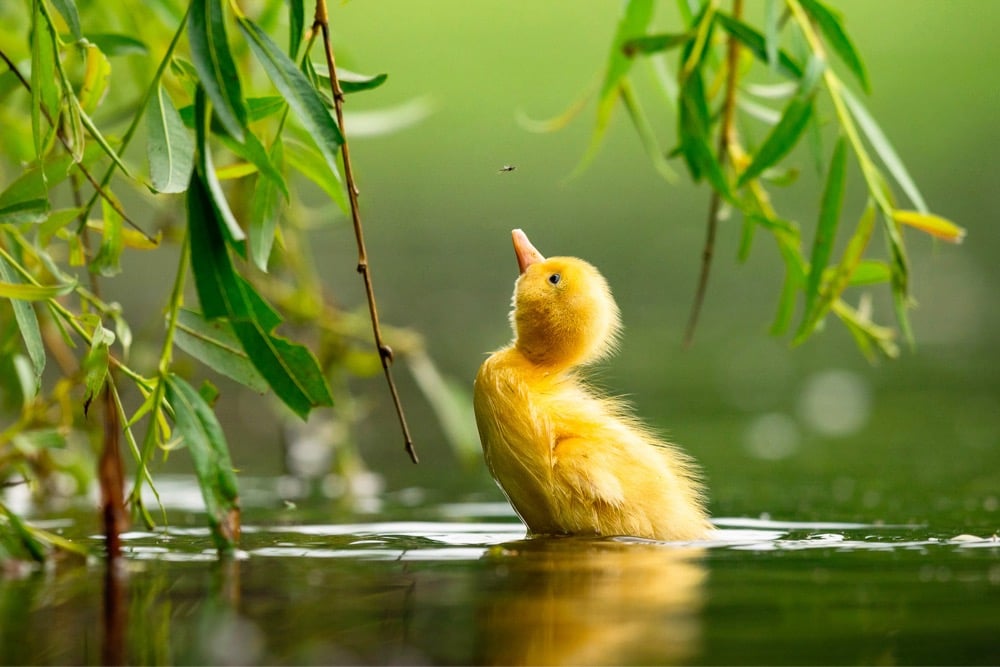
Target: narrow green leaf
(305,159)
(55,221)
(655,43)
(265,207)
(350,82)
(116,44)
(203,159)
(206,442)
(296,27)
(27,324)
(646,133)
(169,146)
(95,364)
(45,95)
(867,272)
(771,32)
(290,369)
(253,152)
(692,123)
(833,29)
(259,108)
(301,96)
(884,148)
(68,10)
(758,45)
(842,277)
(826,228)
(29,210)
(870,337)
(634,21)
(693,54)
(213,60)
(22,292)
(26,198)
(783,136)
(214,344)
(107,262)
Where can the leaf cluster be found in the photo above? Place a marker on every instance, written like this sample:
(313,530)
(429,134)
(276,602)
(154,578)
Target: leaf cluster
(729,134)
(234,145)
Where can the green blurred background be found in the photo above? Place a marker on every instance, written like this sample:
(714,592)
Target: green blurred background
(813,432)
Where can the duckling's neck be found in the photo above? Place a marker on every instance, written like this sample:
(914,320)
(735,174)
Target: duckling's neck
(551,354)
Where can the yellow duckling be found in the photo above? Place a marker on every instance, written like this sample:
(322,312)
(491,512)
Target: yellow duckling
(570,461)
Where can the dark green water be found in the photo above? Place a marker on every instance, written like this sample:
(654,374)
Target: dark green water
(458,584)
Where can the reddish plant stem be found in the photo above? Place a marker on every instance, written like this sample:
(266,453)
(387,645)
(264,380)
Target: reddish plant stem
(111,478)
(726,135)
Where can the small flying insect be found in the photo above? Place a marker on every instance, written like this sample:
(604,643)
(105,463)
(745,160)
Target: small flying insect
(506,167)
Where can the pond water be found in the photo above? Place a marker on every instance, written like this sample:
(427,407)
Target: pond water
(458,583)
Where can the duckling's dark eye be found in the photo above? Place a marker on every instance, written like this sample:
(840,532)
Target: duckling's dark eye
(555,278)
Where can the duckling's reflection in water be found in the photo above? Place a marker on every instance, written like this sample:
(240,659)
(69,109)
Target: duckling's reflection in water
(585,601)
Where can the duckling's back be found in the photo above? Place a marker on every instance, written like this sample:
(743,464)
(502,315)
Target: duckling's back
(571,462)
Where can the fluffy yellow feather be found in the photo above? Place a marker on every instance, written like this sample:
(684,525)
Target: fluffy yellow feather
(572,462)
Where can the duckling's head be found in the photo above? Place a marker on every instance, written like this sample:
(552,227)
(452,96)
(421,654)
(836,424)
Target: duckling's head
(564,314)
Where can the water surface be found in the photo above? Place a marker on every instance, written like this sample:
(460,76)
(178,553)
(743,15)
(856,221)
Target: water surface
(458,583)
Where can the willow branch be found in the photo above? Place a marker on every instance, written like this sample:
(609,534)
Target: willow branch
(98,187)
(384,351)
(726,135)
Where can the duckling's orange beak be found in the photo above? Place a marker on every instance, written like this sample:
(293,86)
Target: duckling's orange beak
(526,253)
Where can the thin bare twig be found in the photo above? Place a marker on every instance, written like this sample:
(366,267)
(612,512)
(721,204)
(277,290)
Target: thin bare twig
(62,139)
(726,135)
(321,21)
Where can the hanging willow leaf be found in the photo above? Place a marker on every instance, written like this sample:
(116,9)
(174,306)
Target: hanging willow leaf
(634,21)
(213,343)
(759,46)
(107,261)
(290,369)
(646,133)
(68,10)
(826,228)
(95,364)
(884,148)
(45,95)
(169,146)
(842,276)
(206,170)
(27,322)
(22,292)
(296,27)
(350,82)
(26,199)
(935,225)
(214,63)
(833,29)
(785,135)
(301,96)
(265,207)
(655,43)
(305,159)
(206,442)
